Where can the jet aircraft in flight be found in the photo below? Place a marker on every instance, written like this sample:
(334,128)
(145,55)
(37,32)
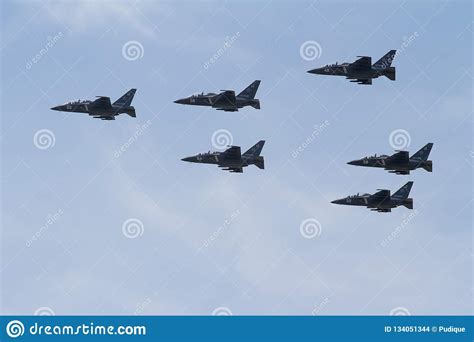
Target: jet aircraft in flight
(231,159)
(226,100)
(362,70)
(101,108)
(400,163)
(381,201)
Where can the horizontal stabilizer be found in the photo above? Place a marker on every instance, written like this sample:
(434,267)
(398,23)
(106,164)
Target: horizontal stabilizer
(390,73)
(260,163)
(428,165)
(256,104)
(408,203)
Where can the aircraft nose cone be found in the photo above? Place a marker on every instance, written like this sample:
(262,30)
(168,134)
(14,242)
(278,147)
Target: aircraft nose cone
(180,101)
(354,162)
(187,159)
(338,201)
(56,108)
(315,71)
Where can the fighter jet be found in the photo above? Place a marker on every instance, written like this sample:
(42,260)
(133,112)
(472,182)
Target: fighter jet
(226,100)
(231,159)
(399,163)
(381,201)
(361,71)
(101,108)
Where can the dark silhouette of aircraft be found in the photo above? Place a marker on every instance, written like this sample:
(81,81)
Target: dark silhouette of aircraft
(226,100)
(101,108)
(231,159)
(400,163)
(381,201)
(361,71)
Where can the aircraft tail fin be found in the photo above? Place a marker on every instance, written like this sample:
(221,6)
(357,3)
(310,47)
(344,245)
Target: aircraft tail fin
(126,99)
(386,60)
(255,150)
(250,91)
(403,192)
(260,163)
(423,153)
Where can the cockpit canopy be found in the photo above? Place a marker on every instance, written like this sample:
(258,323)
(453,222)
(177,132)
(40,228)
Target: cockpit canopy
(201,94)
(206,153)
(359,195)
(375,156)
(336,64)
(76,101)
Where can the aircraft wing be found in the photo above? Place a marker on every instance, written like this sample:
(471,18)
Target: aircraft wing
(362,63)
(401,157)
(381,195)
(102,102)
(233,152)
(224,99)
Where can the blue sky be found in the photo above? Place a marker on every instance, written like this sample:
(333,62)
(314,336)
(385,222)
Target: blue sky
(209,241)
